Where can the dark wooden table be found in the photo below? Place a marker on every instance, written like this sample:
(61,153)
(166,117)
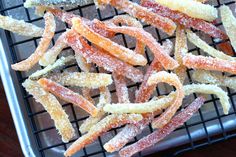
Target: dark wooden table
(10,147)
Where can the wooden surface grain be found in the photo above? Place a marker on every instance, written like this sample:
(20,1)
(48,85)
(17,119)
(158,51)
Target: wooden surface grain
(10,147)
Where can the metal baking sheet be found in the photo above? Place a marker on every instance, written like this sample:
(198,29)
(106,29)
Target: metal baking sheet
(30,126)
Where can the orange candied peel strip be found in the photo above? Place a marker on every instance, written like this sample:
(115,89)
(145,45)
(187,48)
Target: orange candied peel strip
(226,48)
(142,13)
(130,21)
(48,34)
(171,79)
(51,55)
(181,48)
(102,59)
(53,107)
(121,88)
(160,134)
(109,122)
(68,95)
(105,97)
(140,34)
(209,63)
(113,48)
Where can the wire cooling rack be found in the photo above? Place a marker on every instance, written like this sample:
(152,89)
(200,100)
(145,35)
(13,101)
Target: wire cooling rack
(47,141)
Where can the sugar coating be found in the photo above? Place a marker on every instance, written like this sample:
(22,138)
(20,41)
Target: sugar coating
(209,63)
(213,78)
(68,95)
(192,8)
(160,134)
(51,55)
(83,79)
(109,122)
(20,27)
(210,89)
(229,23)
(105,97)
(48,34)
(53,107)
(144,14)
(33,3)
(193,38)
(102,59)
(158,51)
(184,19)
(111,47)
(181,48)
(59,63)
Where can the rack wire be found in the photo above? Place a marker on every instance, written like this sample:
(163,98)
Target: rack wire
(75,120)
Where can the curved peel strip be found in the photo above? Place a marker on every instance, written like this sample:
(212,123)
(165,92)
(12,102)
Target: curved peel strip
(215,79)
(160,134)
(83,79)
(109,122)
(102,59)
(193,38)
(68,95)
(51,55)
(229,23)
(185,20)
(105,97)
(209,63)
(53,107)
(20,27)
(113,48)
(48,34)
(191,8)
(142,13)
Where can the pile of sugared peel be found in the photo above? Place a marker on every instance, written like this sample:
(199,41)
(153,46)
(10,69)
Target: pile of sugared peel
(170,16)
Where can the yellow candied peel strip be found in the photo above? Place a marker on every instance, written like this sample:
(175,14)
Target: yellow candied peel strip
(162,103)
(105,97)
(59,63)
(48,34)
(109,122)
(53,107)
(20,27)
(229,23)
(191,8)
(83,79)
(193,38)
(203,76)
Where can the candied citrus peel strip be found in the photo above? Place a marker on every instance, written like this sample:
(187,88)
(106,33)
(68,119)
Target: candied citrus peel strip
(226,48)
(58,64)
(48,34)
(68,95)
(185,20)
(53,107)
(213,78)
(209,63)
(109,122)
(121,88)
(102,59)
(181,48)
(160,134)
(105,97)
(142,13)
(83,79)
(197,41)
(140,34)
(113,48)
(130,21)
(191,8)
(229,23)
(51,55)
(20,27)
